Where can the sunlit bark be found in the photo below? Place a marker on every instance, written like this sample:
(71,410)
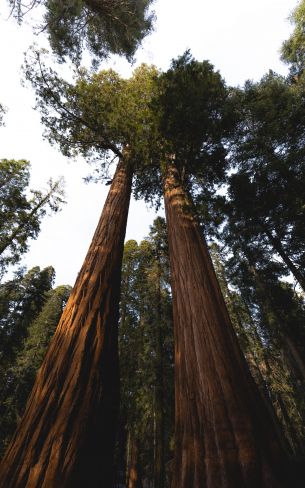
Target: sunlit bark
(66,436)
(224,436)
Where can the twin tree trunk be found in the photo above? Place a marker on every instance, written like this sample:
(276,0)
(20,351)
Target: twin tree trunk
(66,436)
(224,436)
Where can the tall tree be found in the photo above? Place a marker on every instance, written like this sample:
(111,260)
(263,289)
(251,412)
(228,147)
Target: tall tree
(21,300)
(224,436)
(74,403)
(268,154)
(146,353)
(262,309)
(21,214)
(72,408)
(101,26)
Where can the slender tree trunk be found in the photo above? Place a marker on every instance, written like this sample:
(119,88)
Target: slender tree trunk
(296,355)
(224,436)
(292,343)
(66,436)
(159,468)
(275,241)
(134,476)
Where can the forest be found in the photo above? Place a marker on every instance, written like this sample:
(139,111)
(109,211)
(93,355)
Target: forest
(175,361)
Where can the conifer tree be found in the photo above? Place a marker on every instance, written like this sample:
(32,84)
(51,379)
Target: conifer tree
(20,372)
(21,214)
(74,403)
(101,26)
(268,153)
(222,438)
(293,49)
(146,356)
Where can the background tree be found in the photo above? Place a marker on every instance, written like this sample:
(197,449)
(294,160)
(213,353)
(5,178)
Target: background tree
(21,300)
(267,155)
(101,26)
(20,212)
(146,356)
(20,371)
(294,48)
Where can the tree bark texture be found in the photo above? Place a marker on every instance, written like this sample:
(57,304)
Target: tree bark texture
(66,436)
(224,437)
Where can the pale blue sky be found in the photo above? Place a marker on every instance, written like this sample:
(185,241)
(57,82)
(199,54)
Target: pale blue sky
(241,38)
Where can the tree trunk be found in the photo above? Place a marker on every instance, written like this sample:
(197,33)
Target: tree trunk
(276,243)
(66,436)
(293,342)
(134,476)
(296,355)
(224,436)
(159,467)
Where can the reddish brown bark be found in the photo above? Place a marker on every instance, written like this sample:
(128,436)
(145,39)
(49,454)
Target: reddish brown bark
(224,436)
(134,476)
(66,436)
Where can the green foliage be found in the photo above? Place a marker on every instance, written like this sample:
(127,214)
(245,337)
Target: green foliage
(145,321)
(293,50)
(102,26)
(20,212)
(101,112)
(19,376)
(192,104)
(266,190)
(101,116)
(149,116)
(21,299)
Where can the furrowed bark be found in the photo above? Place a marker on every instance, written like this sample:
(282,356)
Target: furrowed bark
(224,436)
(66,436)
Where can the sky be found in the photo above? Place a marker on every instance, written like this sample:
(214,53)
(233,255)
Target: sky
(241,38)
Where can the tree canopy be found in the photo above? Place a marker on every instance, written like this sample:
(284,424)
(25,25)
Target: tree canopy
(102,26)
(293,49)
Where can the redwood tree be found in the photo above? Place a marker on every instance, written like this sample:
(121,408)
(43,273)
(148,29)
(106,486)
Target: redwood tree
(224,435)
(66,435)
